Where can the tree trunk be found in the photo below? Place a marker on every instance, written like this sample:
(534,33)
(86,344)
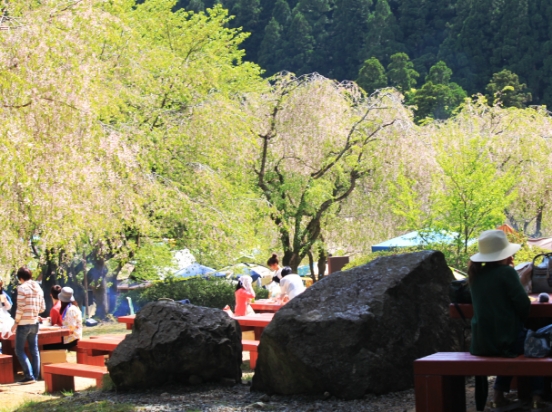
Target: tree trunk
(311,266)
(322,260)
(538,223)
(98,274)
(49,279)
(85,285)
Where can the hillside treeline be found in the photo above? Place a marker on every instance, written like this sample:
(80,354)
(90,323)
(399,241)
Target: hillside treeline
(127,130)
(334,37)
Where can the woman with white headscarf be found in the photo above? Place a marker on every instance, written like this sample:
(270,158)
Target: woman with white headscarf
(244,293)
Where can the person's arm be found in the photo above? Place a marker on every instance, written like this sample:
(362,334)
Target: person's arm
(517,293)
(5,301)
(284,287)
(21,304)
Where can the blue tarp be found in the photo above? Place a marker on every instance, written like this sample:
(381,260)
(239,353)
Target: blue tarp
(195,269)
(414,239)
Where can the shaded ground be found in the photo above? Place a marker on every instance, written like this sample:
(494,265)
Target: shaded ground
(212,398)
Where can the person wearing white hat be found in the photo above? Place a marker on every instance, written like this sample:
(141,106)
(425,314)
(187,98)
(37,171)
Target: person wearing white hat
(500,306)
(71,319)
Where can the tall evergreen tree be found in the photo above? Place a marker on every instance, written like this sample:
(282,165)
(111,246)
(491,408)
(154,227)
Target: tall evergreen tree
(316,12)
(371,76)
(196,5)
(505,90)
(350,25)
(269,52)
(282,13)
(300,44)
(247,14)
(470,45)
(401,72)
(383,35)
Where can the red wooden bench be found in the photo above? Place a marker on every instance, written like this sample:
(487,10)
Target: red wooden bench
(6,369)
(251,346)
(439,378)
(61,376)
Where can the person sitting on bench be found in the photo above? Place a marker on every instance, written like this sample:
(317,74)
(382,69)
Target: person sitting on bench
(71,318)
(501,307)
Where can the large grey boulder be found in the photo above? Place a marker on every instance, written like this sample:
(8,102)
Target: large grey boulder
(177,343)
(359,331)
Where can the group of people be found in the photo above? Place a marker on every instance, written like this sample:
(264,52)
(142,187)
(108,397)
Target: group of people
(289,285)
(65,313)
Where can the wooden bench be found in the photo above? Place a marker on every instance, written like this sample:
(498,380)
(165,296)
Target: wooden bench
(6,369)
(439,383)
(251,346)
(61,376)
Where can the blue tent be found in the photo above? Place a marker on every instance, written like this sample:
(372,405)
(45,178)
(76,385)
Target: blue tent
(414,239)
(195,269)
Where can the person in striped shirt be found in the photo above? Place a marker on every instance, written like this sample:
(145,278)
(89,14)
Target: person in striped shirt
(30,302)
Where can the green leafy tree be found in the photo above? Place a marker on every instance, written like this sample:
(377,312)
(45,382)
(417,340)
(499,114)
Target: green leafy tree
(309,161)
(153,261)
(438,97)
(372,76)
(505,90)
(401,73)
(439,73)
(471,193)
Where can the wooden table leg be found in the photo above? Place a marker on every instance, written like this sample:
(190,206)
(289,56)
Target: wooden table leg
(440,393)
(258,332)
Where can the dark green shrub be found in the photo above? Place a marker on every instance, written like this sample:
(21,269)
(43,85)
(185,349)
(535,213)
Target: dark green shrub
(212,293)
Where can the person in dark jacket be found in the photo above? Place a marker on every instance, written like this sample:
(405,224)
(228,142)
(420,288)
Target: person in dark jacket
(501,306)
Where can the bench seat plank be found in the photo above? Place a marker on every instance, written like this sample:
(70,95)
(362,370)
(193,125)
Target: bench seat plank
(465,364)
(439,378)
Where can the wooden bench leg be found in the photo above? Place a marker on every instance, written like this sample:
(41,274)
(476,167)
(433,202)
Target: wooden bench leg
(523,387)
(440,393)
(253,359)
(6,371)
(57,383)
(99,383)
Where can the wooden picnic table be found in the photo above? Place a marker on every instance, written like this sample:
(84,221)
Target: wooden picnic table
(100,346)
(538,310)
(256,323)
(46,336)
(266,306)
(128,320)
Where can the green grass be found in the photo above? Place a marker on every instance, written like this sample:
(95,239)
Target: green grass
(72,404)
(105,328)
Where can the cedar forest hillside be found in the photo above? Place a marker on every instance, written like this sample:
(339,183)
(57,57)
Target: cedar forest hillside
(475,38)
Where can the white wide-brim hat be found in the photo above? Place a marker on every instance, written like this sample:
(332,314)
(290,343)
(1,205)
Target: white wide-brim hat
(494,246)
(66,294)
